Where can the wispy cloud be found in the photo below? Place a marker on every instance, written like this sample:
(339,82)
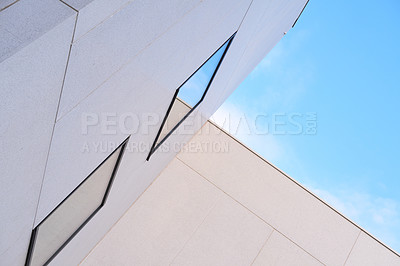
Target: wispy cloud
(379,216)
(281,80)
(242,125)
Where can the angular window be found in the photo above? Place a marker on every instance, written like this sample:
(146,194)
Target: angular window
(189,95)
(69,217)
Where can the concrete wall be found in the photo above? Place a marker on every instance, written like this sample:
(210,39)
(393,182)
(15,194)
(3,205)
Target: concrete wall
(60,61)
(35,38)
(219,203)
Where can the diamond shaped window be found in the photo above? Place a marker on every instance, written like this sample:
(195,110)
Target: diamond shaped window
(189,95)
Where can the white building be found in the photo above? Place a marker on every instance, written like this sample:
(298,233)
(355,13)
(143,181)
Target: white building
(92,131)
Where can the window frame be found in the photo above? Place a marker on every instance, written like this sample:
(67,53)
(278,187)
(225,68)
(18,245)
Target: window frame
(105,196)
(155,146)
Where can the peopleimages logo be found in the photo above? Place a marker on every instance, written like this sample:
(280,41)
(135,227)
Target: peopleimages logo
(282,123)
(124,123)
(147,125)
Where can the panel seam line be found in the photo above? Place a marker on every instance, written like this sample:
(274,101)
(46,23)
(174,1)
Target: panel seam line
(241,204)
(195,230)
(301,186)
(129,61)
(262,247)
(351,250)
(54,124)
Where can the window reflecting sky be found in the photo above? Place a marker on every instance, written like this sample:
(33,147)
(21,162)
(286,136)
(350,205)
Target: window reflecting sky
(191,93)
(193,89)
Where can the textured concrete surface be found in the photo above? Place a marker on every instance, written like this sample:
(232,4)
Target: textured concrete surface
(27,20)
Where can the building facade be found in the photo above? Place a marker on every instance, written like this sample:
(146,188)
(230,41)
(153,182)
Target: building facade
(95,105)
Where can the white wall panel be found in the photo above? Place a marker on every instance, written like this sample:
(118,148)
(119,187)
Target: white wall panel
(173,208)
(108,47)
(6,3)
(279,250)
(27,20)
(143,86)
(229,235)
(30,85)
(94,12)
(368,252)
(275,198)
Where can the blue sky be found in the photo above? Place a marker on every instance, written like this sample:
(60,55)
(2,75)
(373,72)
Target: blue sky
(193,89)
(337,72)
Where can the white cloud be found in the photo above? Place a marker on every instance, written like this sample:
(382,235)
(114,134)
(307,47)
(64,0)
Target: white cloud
(270,61)
(242,125)
(379,216)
